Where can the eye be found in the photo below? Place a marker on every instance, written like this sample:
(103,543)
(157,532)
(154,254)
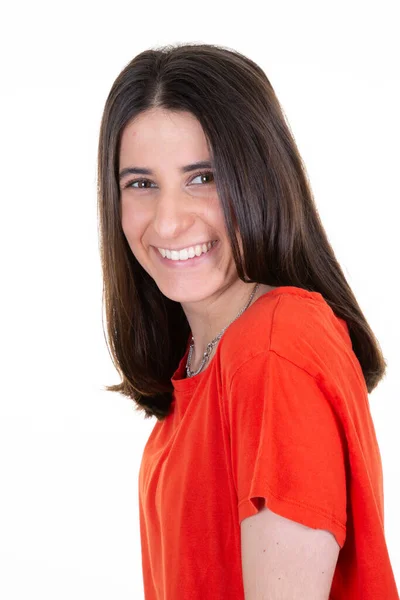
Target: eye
(205,174)
(129,184)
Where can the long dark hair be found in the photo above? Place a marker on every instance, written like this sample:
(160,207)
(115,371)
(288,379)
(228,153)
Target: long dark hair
(265,194)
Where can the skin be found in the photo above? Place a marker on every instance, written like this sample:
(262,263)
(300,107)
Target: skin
(176,210)
(284,560)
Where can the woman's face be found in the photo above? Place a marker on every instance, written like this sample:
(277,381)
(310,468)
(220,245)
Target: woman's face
(173,208)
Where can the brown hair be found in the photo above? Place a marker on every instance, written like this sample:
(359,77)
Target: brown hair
(265,195)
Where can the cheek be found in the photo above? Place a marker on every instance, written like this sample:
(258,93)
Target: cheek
(213,214)
(126,224)
(132,223)
(133,234)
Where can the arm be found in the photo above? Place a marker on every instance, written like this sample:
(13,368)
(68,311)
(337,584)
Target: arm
(284,560)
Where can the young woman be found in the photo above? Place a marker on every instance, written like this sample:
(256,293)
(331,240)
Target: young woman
(230,320)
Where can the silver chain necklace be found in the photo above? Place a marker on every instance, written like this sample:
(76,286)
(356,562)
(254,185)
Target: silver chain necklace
(211,345)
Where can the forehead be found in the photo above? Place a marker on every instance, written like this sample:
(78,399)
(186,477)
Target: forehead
(160,132)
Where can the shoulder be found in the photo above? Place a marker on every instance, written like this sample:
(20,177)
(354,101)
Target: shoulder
(291,322)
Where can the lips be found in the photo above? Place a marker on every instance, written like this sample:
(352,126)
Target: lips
(187,253)
(189,262)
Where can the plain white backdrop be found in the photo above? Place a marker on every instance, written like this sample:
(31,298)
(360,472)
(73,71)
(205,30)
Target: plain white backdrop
(70,452)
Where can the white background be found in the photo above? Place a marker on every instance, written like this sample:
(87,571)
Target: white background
(70,452)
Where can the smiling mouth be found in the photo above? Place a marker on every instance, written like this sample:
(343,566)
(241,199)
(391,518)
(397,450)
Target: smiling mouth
(187,253)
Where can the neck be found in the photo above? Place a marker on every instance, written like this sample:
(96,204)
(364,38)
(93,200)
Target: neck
(208,317)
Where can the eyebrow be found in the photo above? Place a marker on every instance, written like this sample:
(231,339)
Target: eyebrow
(202,164)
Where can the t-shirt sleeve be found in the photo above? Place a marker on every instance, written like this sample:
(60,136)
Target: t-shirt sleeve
(287,446)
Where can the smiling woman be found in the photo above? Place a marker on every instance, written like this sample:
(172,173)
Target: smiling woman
(230,320)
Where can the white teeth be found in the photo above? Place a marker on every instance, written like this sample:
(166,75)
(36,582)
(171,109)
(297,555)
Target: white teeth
(186,253)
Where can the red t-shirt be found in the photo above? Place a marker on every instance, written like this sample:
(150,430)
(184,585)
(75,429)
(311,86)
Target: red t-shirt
(281,413)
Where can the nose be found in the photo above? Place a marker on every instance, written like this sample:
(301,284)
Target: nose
(173,215)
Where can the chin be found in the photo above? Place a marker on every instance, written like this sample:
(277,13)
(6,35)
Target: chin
(192,293)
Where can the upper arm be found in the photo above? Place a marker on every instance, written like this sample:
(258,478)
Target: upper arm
(284,560)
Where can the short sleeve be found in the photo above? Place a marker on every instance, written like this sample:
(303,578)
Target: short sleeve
(286,445)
